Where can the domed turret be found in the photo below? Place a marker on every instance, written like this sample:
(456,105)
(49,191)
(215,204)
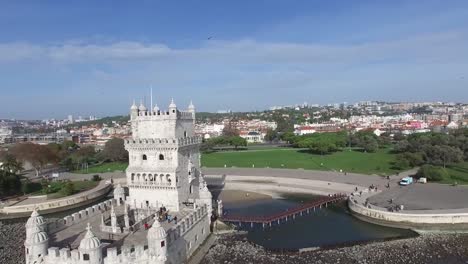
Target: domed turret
(156,231)
(156,108)
(119,194)
(133,110)
(90,247)
(142,107)
(36,221)
(172,107)
(191,107)
(157,240)
(90,241)
(206,197)
(172,104)
(134,106)
(37,239)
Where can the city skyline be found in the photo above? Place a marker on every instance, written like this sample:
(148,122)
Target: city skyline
(84,59)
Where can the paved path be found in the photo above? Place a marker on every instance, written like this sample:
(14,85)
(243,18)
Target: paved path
(328,176)
(415,197)
(428,196)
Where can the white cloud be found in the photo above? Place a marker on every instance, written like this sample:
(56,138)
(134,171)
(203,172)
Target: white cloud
(441,46)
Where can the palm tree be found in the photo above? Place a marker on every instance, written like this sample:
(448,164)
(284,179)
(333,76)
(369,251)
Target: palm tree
(10,164)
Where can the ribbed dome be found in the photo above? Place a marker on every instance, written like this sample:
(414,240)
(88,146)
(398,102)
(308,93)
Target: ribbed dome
(134,107)
(156,108)
(35,220)
(90,241)
(119,190)
(39,237)
(156,231)
(191,106)
(142,107)
(172,105)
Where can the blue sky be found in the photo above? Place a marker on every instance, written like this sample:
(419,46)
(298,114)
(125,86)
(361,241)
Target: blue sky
(95,57)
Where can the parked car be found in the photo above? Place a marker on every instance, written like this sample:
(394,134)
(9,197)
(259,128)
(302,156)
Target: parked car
(406,181)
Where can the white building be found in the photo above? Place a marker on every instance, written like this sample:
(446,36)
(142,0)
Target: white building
(252,136)
(163,177)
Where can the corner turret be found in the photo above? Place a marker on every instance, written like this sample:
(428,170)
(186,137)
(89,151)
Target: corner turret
(157,241)
(37,239)
(172,108)
(133,111)
(90,247)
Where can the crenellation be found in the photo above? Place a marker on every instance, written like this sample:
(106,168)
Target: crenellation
(65,254)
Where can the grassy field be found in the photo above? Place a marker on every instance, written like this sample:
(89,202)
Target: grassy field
(78,186)
(105,167)
(349,161)
(457,173)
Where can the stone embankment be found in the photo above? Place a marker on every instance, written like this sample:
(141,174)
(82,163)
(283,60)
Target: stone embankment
(57,205)
(425,249)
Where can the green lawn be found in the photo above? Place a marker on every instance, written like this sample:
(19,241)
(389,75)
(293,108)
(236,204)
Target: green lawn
(457,173)
(105,167)
(350,161)
(78,186)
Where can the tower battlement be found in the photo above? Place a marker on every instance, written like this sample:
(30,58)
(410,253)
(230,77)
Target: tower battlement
(155,123)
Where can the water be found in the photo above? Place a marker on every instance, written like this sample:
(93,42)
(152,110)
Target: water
(324,227)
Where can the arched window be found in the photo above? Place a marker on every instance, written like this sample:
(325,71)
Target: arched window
(168,178)
(161,157)
(190,189)
(85,256)
(185,134)
(145,157)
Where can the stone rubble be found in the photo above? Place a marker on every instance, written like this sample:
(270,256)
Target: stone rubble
(12,237)
(424,249)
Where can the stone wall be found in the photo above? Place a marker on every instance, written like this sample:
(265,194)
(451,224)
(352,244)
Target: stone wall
(62,204)
(440,220)
(79,216)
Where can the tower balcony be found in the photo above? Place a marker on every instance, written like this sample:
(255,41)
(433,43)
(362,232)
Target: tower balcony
(161,142)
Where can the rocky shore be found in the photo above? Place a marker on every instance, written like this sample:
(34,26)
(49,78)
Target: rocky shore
(424,249)
(12,235)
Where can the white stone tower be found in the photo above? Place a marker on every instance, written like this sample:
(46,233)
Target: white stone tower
(37,239)
(164,159)
(90,248)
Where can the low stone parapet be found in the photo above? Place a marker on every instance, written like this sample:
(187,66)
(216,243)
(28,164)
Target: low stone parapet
(419,220)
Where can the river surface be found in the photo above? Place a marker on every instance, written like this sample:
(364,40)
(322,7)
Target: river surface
(330,226)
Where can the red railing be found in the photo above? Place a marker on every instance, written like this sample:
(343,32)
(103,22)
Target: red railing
(281,215)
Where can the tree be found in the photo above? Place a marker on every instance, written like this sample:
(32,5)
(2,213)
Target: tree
(238,141)
(431,172)
(369,144)
(271,135)
(67,189)
(401,163)
(230,130)
(114,150)
(289,137)
(37,155)
(207,146)
(11,164)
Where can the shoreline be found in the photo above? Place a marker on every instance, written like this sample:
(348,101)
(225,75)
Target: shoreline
(429,248)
